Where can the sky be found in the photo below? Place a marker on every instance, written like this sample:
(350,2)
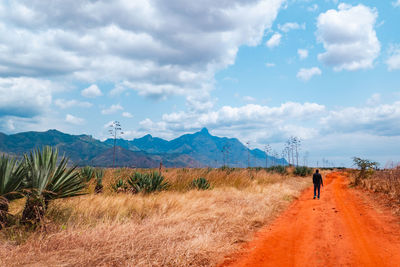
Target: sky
(261,71)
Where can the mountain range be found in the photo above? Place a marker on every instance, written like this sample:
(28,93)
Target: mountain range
(200,149)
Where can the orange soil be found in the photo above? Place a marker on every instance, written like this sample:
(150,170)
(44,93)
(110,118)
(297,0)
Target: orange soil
(341,229)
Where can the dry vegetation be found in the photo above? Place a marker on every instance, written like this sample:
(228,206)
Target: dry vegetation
(178,227)
(387,184)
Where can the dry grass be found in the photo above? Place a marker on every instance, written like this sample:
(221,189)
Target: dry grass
(385,181)
(179,227)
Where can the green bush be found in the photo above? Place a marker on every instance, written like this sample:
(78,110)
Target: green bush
(200,184)
(302,171)
(147,182)
(277,168)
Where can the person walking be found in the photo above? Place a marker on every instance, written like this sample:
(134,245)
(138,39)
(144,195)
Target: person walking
(317,181)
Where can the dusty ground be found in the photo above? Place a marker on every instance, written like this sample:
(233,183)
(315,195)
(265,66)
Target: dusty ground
(344,228)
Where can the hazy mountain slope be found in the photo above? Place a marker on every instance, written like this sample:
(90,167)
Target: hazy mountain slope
(190,150)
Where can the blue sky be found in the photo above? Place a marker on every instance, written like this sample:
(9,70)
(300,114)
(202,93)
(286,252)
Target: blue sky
(258,70)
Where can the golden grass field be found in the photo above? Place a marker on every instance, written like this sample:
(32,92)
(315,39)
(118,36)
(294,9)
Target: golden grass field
(178,227)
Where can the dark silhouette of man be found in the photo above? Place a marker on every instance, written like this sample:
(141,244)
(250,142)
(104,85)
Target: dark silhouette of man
(317,181)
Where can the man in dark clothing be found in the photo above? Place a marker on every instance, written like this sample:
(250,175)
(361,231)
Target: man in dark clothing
(317,181)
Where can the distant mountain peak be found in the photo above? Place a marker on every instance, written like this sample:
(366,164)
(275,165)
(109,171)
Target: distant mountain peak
(204,131)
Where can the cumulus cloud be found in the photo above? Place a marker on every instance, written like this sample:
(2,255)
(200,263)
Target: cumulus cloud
(25,97)
(349,37)
(127,115)
(307,74)
(112,109)
(396,3)
(92,91)
(291,26)
(62,103)
(393,62)
(303,53)
(381,120)
(164,49)
(258,121)
(269,64)
(275,40)
(314,123)
(74,120)
(374,99)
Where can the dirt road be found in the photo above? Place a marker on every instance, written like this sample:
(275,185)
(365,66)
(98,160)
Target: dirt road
(342,229)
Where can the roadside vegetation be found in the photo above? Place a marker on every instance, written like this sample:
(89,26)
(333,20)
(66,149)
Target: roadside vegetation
(93,216)
(384,182)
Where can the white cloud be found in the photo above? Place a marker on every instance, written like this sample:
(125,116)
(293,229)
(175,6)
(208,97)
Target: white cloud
(348,37)
(269,64)
(25,97)
(381,120)
(303,53)
(92,91)
(393,62)
(307,74)
(396,3)
(249,99)
(260,122)
(350,127)
(74,120)
(313,8)
(275,40)
(127,115)
(374,99)
(112,109)
(163,50)
(291,26)
(62,103)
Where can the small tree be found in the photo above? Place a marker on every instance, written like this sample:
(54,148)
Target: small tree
(364,165)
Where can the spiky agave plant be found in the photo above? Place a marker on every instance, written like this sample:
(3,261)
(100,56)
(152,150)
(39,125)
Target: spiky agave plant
(87,173)
(119,186)
(147,182)
(200,184)
(99,174)
(47,180)
(11,180)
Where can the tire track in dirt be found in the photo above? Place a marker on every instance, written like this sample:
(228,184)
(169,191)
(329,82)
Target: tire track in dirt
(341,229)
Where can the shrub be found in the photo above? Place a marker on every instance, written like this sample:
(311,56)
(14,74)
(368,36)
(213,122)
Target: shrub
(147,182)
(366,168)
(302,171)
(278,169)
(200,184)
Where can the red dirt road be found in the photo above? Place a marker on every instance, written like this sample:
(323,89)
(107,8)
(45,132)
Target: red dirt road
(341,229)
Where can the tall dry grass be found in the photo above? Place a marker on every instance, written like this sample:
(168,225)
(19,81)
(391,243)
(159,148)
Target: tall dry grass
(179,227)
(385,181)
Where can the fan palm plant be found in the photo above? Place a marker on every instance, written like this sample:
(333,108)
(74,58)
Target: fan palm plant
(11,179)
(48,180)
